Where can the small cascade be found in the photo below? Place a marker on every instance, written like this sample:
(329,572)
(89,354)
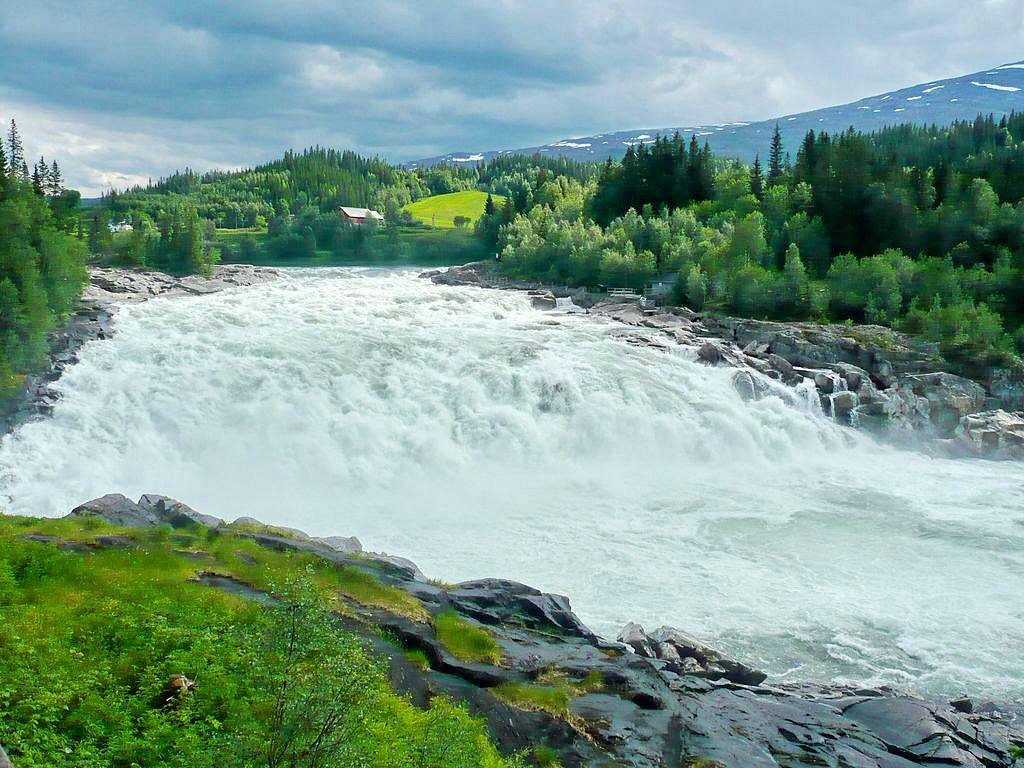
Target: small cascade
(565,304)
(807,393)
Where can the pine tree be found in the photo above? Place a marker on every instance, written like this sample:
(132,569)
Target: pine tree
(489,206)
(756,180)
(56,180)
(775,157)
(41,177)
(37,180)
(3,164)
(15,151)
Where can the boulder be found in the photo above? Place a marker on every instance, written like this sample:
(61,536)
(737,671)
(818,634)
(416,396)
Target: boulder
(710,353)
(634,636)
(499,601)
(785,369)
(743,383)
(686,655)
(175,513)
(843,404)
(4,761)
(949,397)
(347,544)
(543,301)
(995,434)
(118,510)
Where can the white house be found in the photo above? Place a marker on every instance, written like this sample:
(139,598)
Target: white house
(360,215)
(122,226)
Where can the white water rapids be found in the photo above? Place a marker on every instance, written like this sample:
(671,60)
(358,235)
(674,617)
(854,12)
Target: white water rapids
(478,437)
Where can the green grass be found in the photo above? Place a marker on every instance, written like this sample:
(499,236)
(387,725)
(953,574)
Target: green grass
(90,640)
(418,658)
(368,590)
(553,699)
(546,757)
(440,210)
(465,640)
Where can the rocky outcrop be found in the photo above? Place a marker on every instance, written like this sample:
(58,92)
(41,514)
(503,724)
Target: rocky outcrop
(647,700)
(685,655)
(4,761)
(109,288)
(992,434)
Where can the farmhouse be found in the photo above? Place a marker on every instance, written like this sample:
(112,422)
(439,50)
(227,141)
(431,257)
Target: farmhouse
(360,215)
(122,226)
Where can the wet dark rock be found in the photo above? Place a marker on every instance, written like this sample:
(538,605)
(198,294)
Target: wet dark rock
(687,655)
(843,404)
(497,601)
(710,353)
(963,704)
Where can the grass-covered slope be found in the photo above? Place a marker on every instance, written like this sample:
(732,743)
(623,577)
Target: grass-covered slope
(96,622)
(441,210)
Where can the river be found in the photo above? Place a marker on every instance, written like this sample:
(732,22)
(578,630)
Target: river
(479,437)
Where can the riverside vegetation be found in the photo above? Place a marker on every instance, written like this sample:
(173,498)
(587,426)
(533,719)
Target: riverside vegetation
(101,622)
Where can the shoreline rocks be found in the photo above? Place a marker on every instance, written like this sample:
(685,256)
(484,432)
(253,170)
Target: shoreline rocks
(647,700)
(895,386)
(107,290)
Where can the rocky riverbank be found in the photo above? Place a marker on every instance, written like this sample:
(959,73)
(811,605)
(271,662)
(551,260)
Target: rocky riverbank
(651,699)
(108,289)
(894,385)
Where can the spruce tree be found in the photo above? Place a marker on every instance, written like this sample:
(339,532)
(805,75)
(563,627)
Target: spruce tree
(56,180)
(756,181)
(775,157)
(41,177)
(15,151)
(3,161)
(489,206)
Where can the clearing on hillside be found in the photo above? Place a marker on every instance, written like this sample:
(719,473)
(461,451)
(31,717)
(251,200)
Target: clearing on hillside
(441,210)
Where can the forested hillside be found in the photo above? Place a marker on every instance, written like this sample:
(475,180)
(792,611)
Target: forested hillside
(287,211)
(920,228)
(42,265)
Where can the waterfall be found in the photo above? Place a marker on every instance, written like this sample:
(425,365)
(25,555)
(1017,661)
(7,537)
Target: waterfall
(479,437)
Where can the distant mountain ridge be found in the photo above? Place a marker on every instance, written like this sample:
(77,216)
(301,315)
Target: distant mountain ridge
(999,91)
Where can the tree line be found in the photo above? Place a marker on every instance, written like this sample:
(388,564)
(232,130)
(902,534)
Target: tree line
(42,265)
(921,228)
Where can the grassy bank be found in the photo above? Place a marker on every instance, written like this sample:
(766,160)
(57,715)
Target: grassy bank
(99,621)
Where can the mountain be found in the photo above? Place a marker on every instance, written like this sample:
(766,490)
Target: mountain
(999,91)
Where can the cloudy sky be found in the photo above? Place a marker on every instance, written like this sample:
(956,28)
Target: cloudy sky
(123,90)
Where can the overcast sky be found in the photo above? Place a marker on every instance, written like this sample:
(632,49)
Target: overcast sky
(123,90)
